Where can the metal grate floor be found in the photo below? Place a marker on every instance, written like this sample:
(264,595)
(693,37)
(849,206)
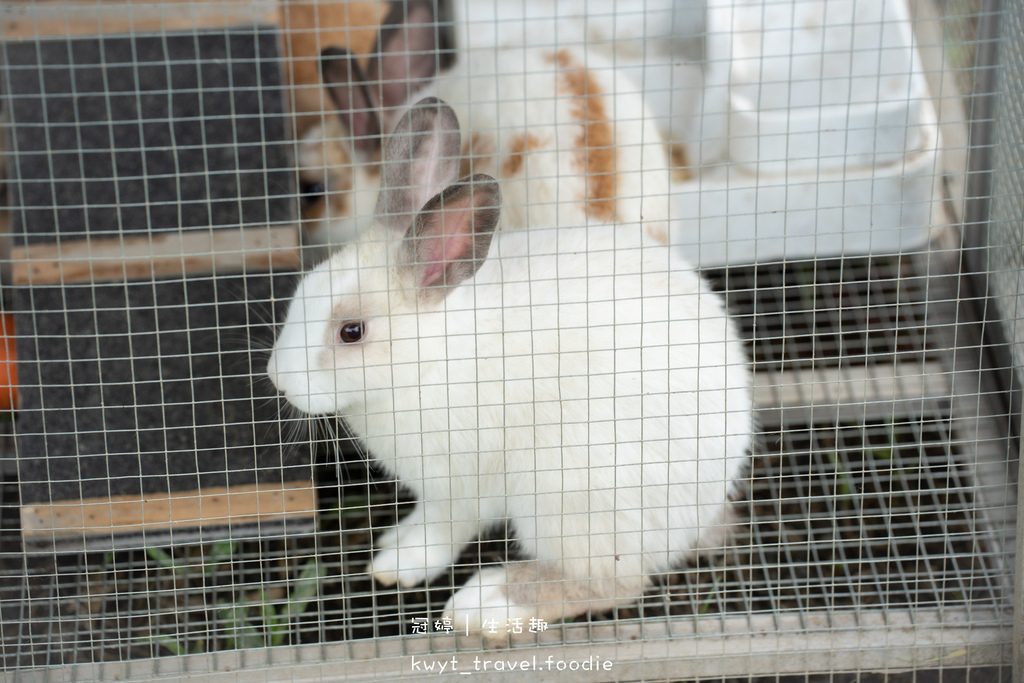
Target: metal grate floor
(880,503)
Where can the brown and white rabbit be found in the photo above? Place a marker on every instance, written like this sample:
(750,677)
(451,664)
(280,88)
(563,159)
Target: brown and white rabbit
(339,160)
(580,381)
(568,139)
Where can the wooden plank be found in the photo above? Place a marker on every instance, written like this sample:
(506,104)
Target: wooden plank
(709,647)
(158,511)
(854,387)
(22,20)
(188,252)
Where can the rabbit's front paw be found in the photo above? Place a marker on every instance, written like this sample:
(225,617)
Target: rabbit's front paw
(483,605)
(411,558)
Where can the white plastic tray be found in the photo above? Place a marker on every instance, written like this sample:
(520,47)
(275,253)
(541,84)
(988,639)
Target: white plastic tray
(830,139)
(729,216)
(823,85)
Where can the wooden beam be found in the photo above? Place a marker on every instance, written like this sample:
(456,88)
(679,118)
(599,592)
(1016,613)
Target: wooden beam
(215,506)
(173,254)
(30,20)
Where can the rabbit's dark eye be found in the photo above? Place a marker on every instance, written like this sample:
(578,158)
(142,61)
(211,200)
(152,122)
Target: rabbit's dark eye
(311,193)
(350,333)
(312,189)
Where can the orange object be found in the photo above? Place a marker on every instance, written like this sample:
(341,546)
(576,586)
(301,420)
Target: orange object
(309,27)
(8,364)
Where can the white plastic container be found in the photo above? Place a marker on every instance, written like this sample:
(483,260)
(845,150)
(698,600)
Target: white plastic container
(823,84)
(728,216)
(832,144)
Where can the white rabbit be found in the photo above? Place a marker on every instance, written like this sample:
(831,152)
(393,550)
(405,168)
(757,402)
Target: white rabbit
(569,138)
(580,381)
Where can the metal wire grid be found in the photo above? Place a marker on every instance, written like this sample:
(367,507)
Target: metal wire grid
(856,514)
(997,250)
(879,501)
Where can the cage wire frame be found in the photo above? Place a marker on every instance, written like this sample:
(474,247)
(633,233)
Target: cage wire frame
(878,522)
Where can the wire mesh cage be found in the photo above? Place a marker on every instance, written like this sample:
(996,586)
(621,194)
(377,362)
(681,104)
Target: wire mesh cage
(612,340)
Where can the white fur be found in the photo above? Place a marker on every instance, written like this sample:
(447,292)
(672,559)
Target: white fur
(499,95)
(584,384)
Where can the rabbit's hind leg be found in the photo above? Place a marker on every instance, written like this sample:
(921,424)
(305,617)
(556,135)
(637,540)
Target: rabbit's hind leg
(523,597)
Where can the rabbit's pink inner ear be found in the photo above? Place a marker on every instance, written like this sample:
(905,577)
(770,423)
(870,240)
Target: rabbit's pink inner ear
(405,57)
(450,238)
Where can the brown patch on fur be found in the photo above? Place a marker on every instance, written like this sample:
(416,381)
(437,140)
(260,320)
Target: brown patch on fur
(681,168)
(337,160)
(327,161)
(521,144)
(476,149)
(596,143)
(657,231)
(562,58)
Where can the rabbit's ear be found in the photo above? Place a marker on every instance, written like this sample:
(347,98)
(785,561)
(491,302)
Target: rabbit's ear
(449,240)
(347,87)
(405,57)
(421,158)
